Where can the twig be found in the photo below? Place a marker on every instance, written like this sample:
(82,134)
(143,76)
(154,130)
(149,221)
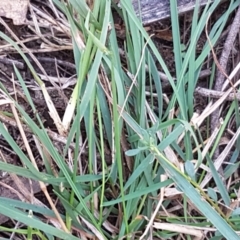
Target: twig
(42,185)
(216,94)
(163,77)
(8,61)
(151,221)
(53,135)
(135,77)
(60,62)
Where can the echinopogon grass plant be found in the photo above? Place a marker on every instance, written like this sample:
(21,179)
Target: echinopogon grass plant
(124,161)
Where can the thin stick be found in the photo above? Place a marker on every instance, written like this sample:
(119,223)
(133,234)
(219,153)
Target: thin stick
(135,77)
(42,185)
(216,94)
(222,66)
(163,178)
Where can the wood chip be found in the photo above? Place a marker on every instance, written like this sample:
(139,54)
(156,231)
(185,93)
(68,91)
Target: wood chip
(154,10)
(14,9)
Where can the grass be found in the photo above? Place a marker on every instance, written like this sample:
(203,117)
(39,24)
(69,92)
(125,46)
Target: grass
(159,158)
